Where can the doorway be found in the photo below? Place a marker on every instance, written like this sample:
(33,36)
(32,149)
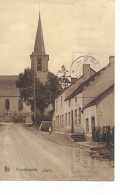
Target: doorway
(92,123)
(87,125)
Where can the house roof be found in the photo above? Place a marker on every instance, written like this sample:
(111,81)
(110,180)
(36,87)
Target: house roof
(8,87)
(75,84)
(100,97)
(86,83)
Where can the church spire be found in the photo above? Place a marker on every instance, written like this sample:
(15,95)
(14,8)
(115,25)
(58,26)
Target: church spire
(39,59)
(39,42)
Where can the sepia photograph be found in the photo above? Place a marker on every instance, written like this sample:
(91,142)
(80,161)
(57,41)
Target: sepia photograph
(57,61)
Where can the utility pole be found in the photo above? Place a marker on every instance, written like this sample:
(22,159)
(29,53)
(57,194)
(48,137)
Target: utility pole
(34,95)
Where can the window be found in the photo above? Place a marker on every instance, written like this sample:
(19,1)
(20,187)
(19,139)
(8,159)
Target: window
(39,67)
(20,104)
(66,119)
(69,102)
(39,63)
(7,104)
(75,100)
(87,125)
(54,123)
(58,121)
(69,118)
(61,101)
(75,116)
(62,119)
(79,115)
(56,104)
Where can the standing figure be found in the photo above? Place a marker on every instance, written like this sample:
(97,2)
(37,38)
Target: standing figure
(50,129)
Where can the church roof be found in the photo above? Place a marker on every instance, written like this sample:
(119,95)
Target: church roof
(39,47)
(8,87)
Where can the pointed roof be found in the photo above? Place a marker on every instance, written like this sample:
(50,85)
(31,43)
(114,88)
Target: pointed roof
(39,42)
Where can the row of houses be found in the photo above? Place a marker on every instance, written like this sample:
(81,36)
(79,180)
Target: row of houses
(86,103)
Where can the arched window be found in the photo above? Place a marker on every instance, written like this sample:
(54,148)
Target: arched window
(39,63)
(7,104)
(20,104)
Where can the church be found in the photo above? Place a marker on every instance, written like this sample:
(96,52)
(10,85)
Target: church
(11,106)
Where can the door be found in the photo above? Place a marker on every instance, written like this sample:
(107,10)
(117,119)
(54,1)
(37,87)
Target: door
(87,125)
(72,126)
(92,123)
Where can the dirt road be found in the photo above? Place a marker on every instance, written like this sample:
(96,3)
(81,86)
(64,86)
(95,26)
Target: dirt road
(27,155)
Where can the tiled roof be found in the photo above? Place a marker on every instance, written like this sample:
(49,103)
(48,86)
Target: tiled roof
(71,88)
(86,83)
(8,87)
(100,97)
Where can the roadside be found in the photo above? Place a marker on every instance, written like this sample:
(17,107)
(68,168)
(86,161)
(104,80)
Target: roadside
(27,148)
(106,153)
(97,150)
(58,138)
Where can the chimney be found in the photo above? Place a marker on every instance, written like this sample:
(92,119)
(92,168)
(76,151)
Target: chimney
(73,80)
(111,59)
(86,70)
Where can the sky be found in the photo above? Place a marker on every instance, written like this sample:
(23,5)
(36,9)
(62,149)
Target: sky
(71,28)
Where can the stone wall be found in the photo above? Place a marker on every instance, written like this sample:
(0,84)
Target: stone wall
(13,111)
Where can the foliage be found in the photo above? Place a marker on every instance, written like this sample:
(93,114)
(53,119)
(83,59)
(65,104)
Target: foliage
(63,77)
(45,94)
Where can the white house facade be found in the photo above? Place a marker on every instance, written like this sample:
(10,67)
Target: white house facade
(88,105)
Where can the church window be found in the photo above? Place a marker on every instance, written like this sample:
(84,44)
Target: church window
(39,64)
(7,104)
(20,104)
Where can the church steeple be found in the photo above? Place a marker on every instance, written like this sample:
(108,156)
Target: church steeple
(39,59)
(39,47)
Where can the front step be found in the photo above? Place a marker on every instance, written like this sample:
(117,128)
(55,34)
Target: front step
(78,137)
(5,119)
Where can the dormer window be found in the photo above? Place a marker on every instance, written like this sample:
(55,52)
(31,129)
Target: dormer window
(39,63)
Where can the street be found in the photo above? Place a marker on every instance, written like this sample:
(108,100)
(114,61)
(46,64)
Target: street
(28,155)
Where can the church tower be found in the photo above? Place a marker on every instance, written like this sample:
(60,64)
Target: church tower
(39,59)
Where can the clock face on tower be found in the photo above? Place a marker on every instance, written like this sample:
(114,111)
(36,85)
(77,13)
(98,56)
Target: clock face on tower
(39,63)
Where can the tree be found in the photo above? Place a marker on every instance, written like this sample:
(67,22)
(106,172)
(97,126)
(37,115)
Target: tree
(63,78)
(25,85)
(45,94)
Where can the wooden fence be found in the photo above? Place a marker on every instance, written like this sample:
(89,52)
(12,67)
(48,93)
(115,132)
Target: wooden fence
(104,134)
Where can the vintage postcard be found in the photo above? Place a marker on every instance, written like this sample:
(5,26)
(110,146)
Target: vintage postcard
(57,90)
